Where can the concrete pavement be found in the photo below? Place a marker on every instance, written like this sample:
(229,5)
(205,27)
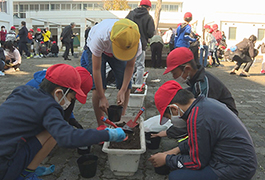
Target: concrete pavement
(248,93)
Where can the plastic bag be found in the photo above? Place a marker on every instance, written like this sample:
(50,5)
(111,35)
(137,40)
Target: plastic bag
(153,124)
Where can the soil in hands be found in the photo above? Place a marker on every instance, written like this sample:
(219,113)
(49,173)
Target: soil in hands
(133,141)
(134,88)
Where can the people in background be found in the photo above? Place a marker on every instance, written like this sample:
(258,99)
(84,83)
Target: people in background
(23,39)
(2,62)
(156,43)
(204,45)
(11,36)
(3,33)
(46,33)
(54,49)
(66,39)
(38,39)
(13,58)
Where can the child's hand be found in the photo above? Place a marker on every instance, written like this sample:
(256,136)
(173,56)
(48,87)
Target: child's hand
(158,159)
(160,134)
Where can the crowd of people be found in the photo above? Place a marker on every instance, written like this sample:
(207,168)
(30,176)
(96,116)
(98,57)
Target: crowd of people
(218,146)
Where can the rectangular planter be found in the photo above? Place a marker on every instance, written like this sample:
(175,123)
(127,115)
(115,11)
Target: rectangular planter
(125,162)
(137,100)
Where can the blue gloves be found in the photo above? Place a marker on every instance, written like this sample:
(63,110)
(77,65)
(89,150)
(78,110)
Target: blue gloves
(116,135)
(42,171)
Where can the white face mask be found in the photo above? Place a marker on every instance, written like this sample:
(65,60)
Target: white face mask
(176,119)
(181,80)
(66,101)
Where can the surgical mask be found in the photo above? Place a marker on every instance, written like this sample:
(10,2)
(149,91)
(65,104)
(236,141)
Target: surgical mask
(181,80)
(66,101)
(176,120)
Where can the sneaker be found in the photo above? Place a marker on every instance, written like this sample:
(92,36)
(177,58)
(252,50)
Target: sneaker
(28,57)
(32,176)
(17,69)
(31,55)
(262,71)
(243,74)
(232,72)
(2,74)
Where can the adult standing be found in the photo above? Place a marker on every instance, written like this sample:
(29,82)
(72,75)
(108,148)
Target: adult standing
(66,39)
(3,33)
(118,43)
(146,26)
(156,43)
(218,37)
(23,39)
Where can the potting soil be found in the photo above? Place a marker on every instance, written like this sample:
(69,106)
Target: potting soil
(133,141)
(134,88)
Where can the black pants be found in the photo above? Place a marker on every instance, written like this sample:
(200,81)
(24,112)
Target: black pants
(242,59)
(194,50)
(67,47)
(215,57)
(23,47)
(72,47)
(156,49)
(2,65)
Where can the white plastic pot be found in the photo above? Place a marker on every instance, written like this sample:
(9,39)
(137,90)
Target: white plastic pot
(125,162)
(137,100)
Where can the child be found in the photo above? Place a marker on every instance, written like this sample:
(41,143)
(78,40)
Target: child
(2,61)
(13,58)
(54,49)
(43,49)
(38,38)
(31,130)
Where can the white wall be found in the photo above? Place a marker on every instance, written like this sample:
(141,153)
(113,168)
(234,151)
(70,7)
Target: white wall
(6,19)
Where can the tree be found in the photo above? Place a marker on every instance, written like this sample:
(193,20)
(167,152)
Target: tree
(157,13)
(116,5)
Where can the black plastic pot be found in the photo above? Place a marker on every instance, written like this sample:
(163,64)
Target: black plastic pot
(114,113)
(83,150)
(87,165)
(152,143)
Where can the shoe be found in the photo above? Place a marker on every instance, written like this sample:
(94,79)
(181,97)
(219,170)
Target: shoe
(262,71)
(2,74)
(67,59)
(30,176)
(232,72)
(31,55)
(243,75)
(28,57)
(17,69)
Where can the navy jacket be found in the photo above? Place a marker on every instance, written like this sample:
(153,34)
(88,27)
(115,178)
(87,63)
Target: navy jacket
(182,38)
(67,34)
(23,35)
(217,138)
(145,23)
(28,111)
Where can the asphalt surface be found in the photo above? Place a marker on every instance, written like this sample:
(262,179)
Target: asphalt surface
(248,93)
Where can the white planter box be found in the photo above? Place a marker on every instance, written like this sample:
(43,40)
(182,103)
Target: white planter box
(137,100)
(125,162)
(144,78)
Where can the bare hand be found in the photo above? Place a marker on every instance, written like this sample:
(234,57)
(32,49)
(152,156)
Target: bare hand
(120,98)
(104,104)
(61,38)
(160,134)
(158,159)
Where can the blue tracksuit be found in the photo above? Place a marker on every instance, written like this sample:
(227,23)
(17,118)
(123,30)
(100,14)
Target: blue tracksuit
(182,37)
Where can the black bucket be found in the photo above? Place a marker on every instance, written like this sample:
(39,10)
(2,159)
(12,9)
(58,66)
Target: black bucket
(87,165)
(114,113)
(162,170)
(152,143)
(83,150)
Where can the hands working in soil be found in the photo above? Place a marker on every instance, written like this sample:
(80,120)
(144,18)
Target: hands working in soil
(116,134)
(120,97)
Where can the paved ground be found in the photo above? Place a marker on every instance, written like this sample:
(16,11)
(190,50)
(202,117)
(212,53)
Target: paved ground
(248,93)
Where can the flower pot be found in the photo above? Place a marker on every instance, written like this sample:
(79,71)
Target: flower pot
(152,143)
(87,165)
(137,100)
(162,170)
(125,162)
(114,113)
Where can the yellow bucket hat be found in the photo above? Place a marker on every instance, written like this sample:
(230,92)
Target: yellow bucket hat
(125,39)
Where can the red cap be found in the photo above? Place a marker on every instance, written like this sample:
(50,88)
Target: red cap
(164,96)
(38,30)
(187,15)
(207,26)
(66,76)
(145,3)
(54,42)
(215,27)
(42,42)
(211,30)
(31,30)
(12,27)
(223,47)
(86,82)
(178,57)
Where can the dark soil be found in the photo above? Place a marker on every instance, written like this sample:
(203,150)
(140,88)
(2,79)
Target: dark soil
(88,162)
(133,141)
(134,88)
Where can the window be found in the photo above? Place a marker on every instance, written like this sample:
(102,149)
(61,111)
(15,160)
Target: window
(76,6)
(55,7)
(34,7)
(232,33)
(65,6)
(261,34)
(23,8)
(22,15)
(3,6)
(44,7)
(96,6)
(15,8)
(153,7)
(173,8)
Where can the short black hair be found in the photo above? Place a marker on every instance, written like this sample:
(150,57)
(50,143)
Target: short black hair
(49,86)
(188,19)
(182,97)
(252,38)
(23,23)
(3,27)
(145,6)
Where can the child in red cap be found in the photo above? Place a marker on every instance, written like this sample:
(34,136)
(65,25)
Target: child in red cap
(219,145)
(54,49)
(31,130)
